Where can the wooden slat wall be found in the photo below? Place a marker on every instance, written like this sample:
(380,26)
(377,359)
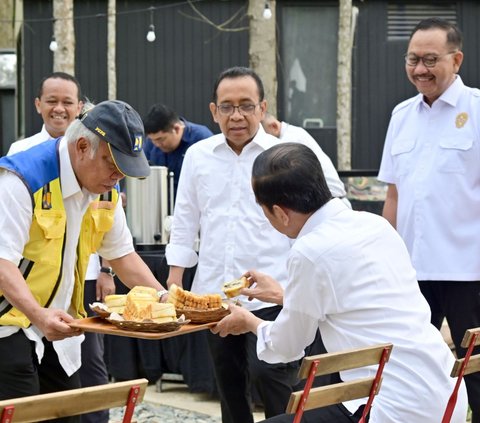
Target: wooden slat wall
(37,60)
(179,68)
(380,81)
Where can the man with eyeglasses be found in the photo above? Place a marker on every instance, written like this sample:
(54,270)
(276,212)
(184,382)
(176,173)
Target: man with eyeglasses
(215,197)
(431,164)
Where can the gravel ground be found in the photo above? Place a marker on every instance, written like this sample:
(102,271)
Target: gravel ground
(149,413)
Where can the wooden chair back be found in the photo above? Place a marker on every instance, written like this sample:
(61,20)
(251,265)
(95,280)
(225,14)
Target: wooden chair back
(72,402)
(339,392)
(463,366)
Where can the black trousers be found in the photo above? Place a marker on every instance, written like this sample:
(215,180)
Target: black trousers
(93,371)
(21,374)
(331,414)
(237,366)
(459,303)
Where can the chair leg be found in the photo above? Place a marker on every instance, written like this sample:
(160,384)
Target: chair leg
(131,402)
(376,382)
(7,414)
(452,401)
(306,391)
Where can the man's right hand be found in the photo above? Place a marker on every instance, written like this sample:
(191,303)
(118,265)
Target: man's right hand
(263,288)
(54,324)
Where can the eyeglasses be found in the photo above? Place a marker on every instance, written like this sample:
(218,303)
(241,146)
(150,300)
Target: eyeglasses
(429,60)
(243,109)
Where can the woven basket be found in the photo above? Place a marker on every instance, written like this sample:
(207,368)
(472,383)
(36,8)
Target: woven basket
(148,326)
(203,316)
(100,311)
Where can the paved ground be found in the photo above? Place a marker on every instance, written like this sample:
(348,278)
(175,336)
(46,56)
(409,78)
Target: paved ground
(150,413)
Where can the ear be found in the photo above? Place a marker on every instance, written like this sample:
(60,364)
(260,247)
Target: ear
(177,127)
(82,147)
(457,60)
(213,111)
(276,127)
(37,105)
(282,214)
(263,109)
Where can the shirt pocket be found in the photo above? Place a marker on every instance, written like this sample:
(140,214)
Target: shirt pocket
(454,154)
(402,154)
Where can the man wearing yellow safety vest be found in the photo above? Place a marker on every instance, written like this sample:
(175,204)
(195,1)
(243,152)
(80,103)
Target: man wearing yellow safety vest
(51,219)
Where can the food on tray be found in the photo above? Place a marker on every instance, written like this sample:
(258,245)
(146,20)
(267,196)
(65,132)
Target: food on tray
(115,303)
(233,288)
(144,292)
(182,299)
(142,305)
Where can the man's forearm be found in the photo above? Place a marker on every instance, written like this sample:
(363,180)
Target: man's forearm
(175,276)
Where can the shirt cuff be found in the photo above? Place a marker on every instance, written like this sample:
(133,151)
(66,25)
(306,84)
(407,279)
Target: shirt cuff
(178,255)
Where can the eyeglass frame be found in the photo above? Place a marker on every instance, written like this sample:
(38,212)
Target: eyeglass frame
(239,108)
(422,59)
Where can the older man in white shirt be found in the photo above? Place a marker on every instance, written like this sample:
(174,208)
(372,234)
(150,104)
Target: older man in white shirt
(48,229)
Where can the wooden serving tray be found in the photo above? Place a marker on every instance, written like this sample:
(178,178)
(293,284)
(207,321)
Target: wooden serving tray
(99,325)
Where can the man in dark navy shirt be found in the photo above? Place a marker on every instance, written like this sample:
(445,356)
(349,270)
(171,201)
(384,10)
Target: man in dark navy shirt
(169,137)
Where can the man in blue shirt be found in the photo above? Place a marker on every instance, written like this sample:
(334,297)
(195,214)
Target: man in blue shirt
(169,137)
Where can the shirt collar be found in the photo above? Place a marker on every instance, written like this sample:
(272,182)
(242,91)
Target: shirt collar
(449,96)
(327,211)
(70,185)
(453,92)
(261,138)
(44,134)
(283,129)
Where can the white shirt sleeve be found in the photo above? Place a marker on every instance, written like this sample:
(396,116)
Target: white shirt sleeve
(295,327)
(385,174)
(186,219)
(117,242)
(15,216)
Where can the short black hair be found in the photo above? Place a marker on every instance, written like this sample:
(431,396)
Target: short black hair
(454,35)
(159,118)
(237,72)
(290,175)
(66,77)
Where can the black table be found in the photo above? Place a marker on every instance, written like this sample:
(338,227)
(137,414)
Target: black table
(186,355)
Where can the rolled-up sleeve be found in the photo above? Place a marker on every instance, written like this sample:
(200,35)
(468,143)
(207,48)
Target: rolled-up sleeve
(186,220)
(15,216)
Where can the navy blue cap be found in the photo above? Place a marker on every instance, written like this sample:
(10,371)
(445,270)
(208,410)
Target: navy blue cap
(118,123)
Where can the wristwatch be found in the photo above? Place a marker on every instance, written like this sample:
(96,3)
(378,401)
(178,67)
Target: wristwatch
(162,293)
(108,271)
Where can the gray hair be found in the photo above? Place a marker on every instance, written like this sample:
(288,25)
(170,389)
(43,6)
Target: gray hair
(77,130)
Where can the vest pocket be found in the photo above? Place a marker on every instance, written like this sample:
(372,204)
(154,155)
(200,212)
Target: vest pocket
(46,236)
(102,222)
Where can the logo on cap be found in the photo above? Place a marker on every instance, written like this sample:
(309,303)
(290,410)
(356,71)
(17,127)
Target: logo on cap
(138,143)
(100,131)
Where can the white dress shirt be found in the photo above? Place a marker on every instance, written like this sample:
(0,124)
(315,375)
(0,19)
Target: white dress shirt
(215,197)
(432,156)
(15,221)
(291,133)
(350,276)
(28,142)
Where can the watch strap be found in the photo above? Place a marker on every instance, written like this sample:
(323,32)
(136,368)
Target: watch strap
(107,270)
